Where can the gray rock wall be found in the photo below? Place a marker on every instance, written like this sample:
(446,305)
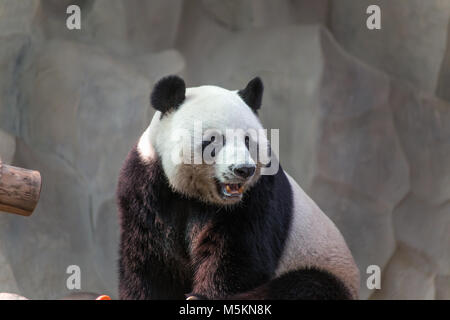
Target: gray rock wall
(364,122)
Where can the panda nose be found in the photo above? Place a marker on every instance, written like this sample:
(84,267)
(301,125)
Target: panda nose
(244,170)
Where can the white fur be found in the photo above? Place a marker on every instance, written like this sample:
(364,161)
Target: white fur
(314,241)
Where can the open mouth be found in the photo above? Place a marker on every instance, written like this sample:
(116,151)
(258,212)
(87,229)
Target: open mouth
(230,190)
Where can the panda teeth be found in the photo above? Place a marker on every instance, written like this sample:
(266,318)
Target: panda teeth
(234,189)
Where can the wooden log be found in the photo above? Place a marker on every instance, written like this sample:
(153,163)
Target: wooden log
(19,189)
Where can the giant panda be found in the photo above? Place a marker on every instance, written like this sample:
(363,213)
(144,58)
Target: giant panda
(220,230)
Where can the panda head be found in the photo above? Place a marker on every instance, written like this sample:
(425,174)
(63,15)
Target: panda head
(207,139)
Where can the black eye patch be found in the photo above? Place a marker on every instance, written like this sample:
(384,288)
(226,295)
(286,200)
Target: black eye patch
(247,141)
(206,143)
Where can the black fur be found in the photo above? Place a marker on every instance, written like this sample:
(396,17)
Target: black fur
(168,94)
(252,94)
(171,245)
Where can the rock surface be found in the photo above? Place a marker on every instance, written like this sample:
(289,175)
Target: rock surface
(444,75)
(422,125)
(13,54)
(411,43)
(17,17)
(442,284)
(407,277)
(425,227)
(7,147)
(7,279)
(49,240)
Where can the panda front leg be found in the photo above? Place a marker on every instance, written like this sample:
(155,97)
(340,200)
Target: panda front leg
(224,265)
(227,270)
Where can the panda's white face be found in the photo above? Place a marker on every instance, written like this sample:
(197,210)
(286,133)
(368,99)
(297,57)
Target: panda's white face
(207,146)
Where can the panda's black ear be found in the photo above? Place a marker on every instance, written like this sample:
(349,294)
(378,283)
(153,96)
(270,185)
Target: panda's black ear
(252,94)
(168,93)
